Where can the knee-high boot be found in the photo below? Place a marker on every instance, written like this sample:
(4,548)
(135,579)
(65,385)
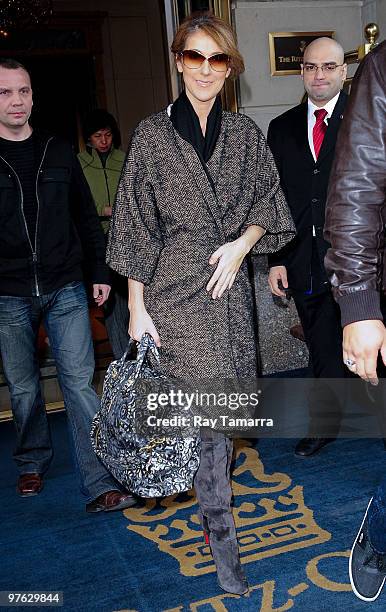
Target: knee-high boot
(214,494)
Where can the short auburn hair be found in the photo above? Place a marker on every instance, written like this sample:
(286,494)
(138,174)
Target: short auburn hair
(217,29)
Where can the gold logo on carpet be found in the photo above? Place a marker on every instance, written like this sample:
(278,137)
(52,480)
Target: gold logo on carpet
(270,514)
(262,596)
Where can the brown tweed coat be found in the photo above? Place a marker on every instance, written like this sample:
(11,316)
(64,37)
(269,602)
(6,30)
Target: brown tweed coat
(166,223)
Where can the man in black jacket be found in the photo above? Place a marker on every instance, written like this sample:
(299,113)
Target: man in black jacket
(48,220)
(355,226)
(302,141)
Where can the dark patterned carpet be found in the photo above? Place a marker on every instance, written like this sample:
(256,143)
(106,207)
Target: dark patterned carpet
(296,521)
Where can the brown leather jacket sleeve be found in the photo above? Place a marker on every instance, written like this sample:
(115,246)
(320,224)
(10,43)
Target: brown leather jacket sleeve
(356,198)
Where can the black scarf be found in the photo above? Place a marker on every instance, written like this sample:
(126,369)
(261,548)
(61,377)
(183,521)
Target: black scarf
(187,124)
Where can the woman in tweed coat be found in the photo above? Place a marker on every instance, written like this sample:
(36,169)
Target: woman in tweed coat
(199,190)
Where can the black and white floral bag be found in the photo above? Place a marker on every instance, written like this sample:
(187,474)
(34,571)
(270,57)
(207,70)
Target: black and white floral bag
(146,462)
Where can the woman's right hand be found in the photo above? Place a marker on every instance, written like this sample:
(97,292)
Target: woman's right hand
(141,323)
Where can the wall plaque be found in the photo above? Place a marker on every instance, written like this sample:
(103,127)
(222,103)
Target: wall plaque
(286,50)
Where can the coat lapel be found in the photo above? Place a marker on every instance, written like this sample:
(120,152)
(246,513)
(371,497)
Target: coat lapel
(300,130)
(333,127)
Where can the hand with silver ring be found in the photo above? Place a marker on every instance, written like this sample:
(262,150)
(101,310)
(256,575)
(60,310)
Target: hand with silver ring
(363,341)
(349,363)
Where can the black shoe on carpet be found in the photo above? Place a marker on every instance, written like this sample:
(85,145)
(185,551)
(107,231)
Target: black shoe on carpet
(367,567)
(310,446)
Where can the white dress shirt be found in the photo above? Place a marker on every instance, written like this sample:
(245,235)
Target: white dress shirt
(329,107)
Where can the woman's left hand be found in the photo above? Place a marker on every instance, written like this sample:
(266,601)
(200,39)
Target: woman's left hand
(229,258)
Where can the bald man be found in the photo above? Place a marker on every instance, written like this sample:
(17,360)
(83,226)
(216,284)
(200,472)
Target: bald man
(302,141)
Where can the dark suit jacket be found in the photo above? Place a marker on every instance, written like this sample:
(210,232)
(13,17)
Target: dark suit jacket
(304,183)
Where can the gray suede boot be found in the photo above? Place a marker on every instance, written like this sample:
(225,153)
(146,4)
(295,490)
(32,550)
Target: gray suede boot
(214,494)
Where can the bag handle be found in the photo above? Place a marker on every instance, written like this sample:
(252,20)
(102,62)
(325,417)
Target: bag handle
(130,345)
(146,343)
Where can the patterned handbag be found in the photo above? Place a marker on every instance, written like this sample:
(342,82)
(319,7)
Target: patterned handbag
(147,463)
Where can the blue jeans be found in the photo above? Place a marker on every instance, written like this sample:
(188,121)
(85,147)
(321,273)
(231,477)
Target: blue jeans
(66,320)
(377,511)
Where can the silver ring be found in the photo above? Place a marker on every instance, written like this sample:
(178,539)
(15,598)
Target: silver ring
(349,362)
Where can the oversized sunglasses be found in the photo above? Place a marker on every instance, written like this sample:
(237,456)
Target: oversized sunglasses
(193,59)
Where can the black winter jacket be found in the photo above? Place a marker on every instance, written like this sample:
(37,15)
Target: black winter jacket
(68,232)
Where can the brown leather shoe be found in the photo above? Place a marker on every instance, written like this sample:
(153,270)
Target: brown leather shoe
(297,332)
(110,501)
(29,484)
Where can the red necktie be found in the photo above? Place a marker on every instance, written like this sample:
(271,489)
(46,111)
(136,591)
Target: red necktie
(319,130)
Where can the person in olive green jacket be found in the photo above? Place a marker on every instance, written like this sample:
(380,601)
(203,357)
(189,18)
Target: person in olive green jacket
(102,163)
